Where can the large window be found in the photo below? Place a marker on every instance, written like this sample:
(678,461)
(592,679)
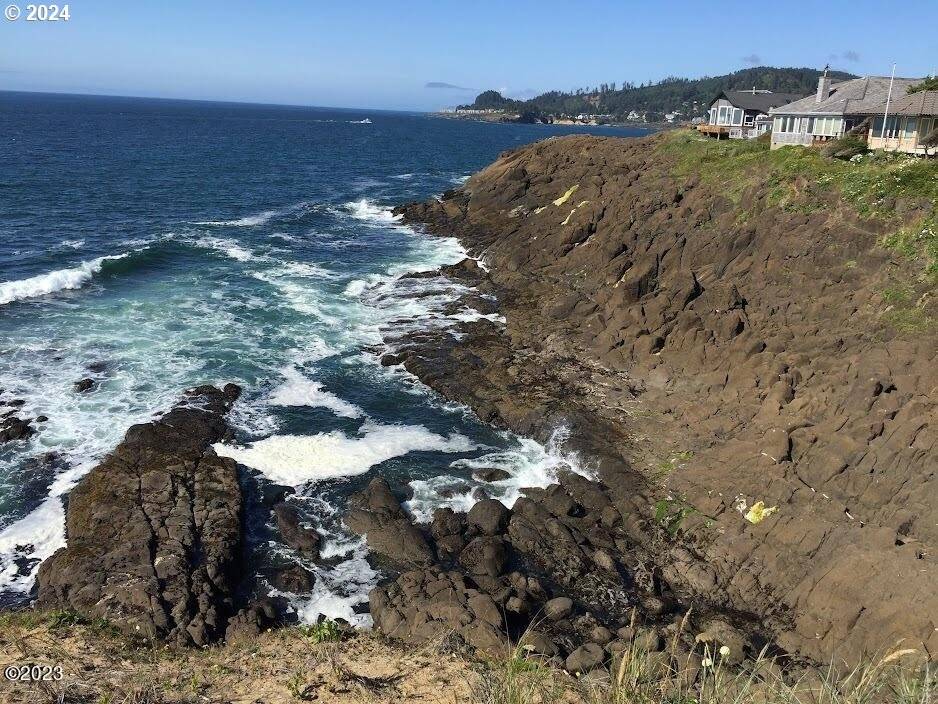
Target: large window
(892,127)
(737,116)
(911,124)
(713,116)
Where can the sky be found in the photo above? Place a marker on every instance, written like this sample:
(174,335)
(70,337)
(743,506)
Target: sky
(422,55)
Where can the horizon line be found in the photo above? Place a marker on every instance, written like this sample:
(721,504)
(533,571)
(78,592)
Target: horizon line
(213,101)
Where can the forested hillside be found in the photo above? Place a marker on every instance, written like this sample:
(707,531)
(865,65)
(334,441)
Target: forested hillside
(685,95)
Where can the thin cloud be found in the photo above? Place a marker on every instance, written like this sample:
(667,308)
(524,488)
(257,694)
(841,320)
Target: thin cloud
(753,59)
(849,55)
(445,86)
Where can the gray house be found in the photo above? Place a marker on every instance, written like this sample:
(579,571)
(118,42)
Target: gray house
(742,114)
(833,110)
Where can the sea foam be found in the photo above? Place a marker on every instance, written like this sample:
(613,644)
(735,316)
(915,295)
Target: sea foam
(297,390)
(294,460)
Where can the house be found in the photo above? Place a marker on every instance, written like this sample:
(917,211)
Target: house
(671,116)
(735,114)
(833,110)
(909,120)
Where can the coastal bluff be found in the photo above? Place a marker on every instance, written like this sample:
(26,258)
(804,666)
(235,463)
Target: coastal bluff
(718,328)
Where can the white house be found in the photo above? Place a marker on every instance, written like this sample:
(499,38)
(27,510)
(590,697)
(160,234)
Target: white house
(833,110)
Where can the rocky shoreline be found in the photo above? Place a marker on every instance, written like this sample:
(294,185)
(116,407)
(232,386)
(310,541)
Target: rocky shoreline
(764,442)
(760,444)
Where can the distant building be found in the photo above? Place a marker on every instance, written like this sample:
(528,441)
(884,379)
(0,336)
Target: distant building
(735,114)
(833,110)
(671,116)
(910,119)
(635,116)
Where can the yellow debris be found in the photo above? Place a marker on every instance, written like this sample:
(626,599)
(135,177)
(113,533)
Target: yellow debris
(568,217)
(758,512)
(566,196)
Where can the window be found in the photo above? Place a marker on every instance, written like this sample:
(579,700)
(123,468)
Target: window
(737,116)
(713,116)
(777,124)
(892,127)
(911,125)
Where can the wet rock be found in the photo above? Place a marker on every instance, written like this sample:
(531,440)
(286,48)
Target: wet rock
(377,514)
(132,522)
(295,579)
(272,494)
(83,385)
(585,658)
(490,474)
(299,537)
(15,428)
(489,516)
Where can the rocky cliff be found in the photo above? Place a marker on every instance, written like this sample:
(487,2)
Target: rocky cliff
(154,531)
(728,349)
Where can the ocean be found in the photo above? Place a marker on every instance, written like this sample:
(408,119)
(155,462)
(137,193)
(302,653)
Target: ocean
(154,245)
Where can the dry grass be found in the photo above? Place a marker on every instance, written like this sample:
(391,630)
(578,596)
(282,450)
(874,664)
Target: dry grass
(323,665)
(678,677)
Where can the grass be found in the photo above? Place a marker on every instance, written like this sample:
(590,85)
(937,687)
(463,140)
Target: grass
(871,184)
(323,632)
(677,677)
(877,186)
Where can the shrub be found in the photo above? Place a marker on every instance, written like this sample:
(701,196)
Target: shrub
(846,147)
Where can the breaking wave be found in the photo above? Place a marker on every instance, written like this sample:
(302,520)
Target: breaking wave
(53,282)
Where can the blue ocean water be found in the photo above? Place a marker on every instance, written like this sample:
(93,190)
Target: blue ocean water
(153,245)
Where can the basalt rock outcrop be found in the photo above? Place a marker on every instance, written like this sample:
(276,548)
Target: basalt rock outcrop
(155,531)
(712,357)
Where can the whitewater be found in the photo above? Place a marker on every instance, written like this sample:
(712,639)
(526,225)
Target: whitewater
(172,245)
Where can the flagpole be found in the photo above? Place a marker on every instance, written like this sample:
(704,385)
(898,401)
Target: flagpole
(882,134)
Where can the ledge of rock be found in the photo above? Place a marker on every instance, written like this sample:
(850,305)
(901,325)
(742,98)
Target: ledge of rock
(154,531)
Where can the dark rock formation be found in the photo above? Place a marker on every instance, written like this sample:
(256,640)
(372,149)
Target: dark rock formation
(154,531)
(706,354)
(377,514)
(15,428)
(83,385)
(299,537)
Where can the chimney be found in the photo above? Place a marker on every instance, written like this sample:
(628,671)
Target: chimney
(823,86)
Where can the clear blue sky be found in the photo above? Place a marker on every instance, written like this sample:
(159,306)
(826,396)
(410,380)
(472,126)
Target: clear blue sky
(363,53)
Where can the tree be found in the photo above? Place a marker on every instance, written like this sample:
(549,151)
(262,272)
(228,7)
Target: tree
(930,83)
(930,141)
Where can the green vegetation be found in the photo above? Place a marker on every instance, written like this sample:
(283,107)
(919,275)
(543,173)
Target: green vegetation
(688,96)
(871,184)
(670,514)
(930,83)
(323,632)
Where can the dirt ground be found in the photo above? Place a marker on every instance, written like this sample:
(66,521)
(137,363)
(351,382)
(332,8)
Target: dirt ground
(281,666)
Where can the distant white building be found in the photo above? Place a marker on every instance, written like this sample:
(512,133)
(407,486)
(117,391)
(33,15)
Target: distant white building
(672,116)
(638,116)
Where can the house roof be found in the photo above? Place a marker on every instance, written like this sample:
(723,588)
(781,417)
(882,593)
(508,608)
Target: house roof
(747,100)
(859,96)
(924,102)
